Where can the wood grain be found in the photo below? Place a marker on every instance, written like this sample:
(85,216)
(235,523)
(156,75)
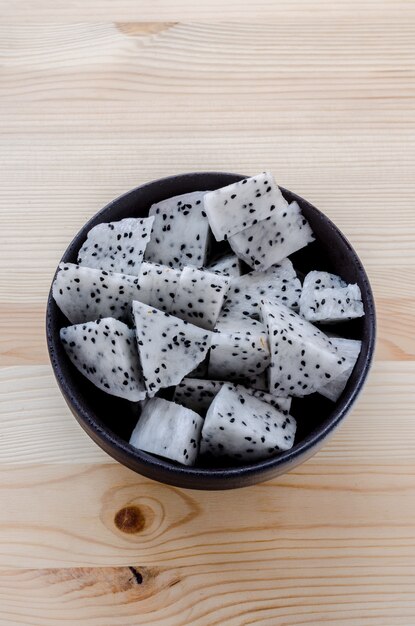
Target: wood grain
(250,594)
(359,508)
(332,12)
(99,97)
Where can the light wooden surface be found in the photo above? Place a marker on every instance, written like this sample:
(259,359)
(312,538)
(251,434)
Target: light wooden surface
(98,97)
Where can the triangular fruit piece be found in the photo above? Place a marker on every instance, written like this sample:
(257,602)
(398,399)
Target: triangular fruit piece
(350,349)
(169,347)
(303,359)
(105,352)
(239,426)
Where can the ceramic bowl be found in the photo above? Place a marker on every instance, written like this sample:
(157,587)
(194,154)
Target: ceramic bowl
(109,420)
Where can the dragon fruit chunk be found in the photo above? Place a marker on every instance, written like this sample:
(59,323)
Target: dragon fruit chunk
(105,353)
(169,347)
(350,349)
(282,404)
(242,204)
(181,234)
(84,294)
(168,430)
(117,246)
(274,238)
(258,382)
(239,426)
(239,348)
(159,285)
(326,298)
(303,359)
(200,370)
(228,264)
(279,283)
(198,394)
(200,296)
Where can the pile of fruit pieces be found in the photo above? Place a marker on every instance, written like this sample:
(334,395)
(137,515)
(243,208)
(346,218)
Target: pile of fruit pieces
(234,336)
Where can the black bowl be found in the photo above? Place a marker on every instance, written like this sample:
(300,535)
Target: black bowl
(109,420)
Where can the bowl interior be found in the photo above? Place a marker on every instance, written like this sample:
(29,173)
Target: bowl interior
(110,420)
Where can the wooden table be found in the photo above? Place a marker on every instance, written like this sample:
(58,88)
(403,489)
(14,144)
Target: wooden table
(100,96)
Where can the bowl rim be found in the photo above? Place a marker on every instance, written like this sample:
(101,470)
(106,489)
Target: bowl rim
(168,472)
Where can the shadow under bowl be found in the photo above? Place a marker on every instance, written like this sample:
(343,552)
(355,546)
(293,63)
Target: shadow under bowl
(109,420)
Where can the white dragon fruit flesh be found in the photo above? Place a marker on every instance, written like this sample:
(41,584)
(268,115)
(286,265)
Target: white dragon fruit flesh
(168,430)
(326,298)
(201,370)
(258,381)
(242,204)
(84,294)
(198,394)
(117,246)
(105,352)
(282,404)
(303,359)
(169,347)
(278,283)
(239,348)
(158,285)
(200,296)
(181,233)
(228,264)
(242,427)
(274,238)
(350,350)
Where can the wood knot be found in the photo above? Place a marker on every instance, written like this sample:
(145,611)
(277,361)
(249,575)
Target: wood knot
(137,576)
(130,520)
